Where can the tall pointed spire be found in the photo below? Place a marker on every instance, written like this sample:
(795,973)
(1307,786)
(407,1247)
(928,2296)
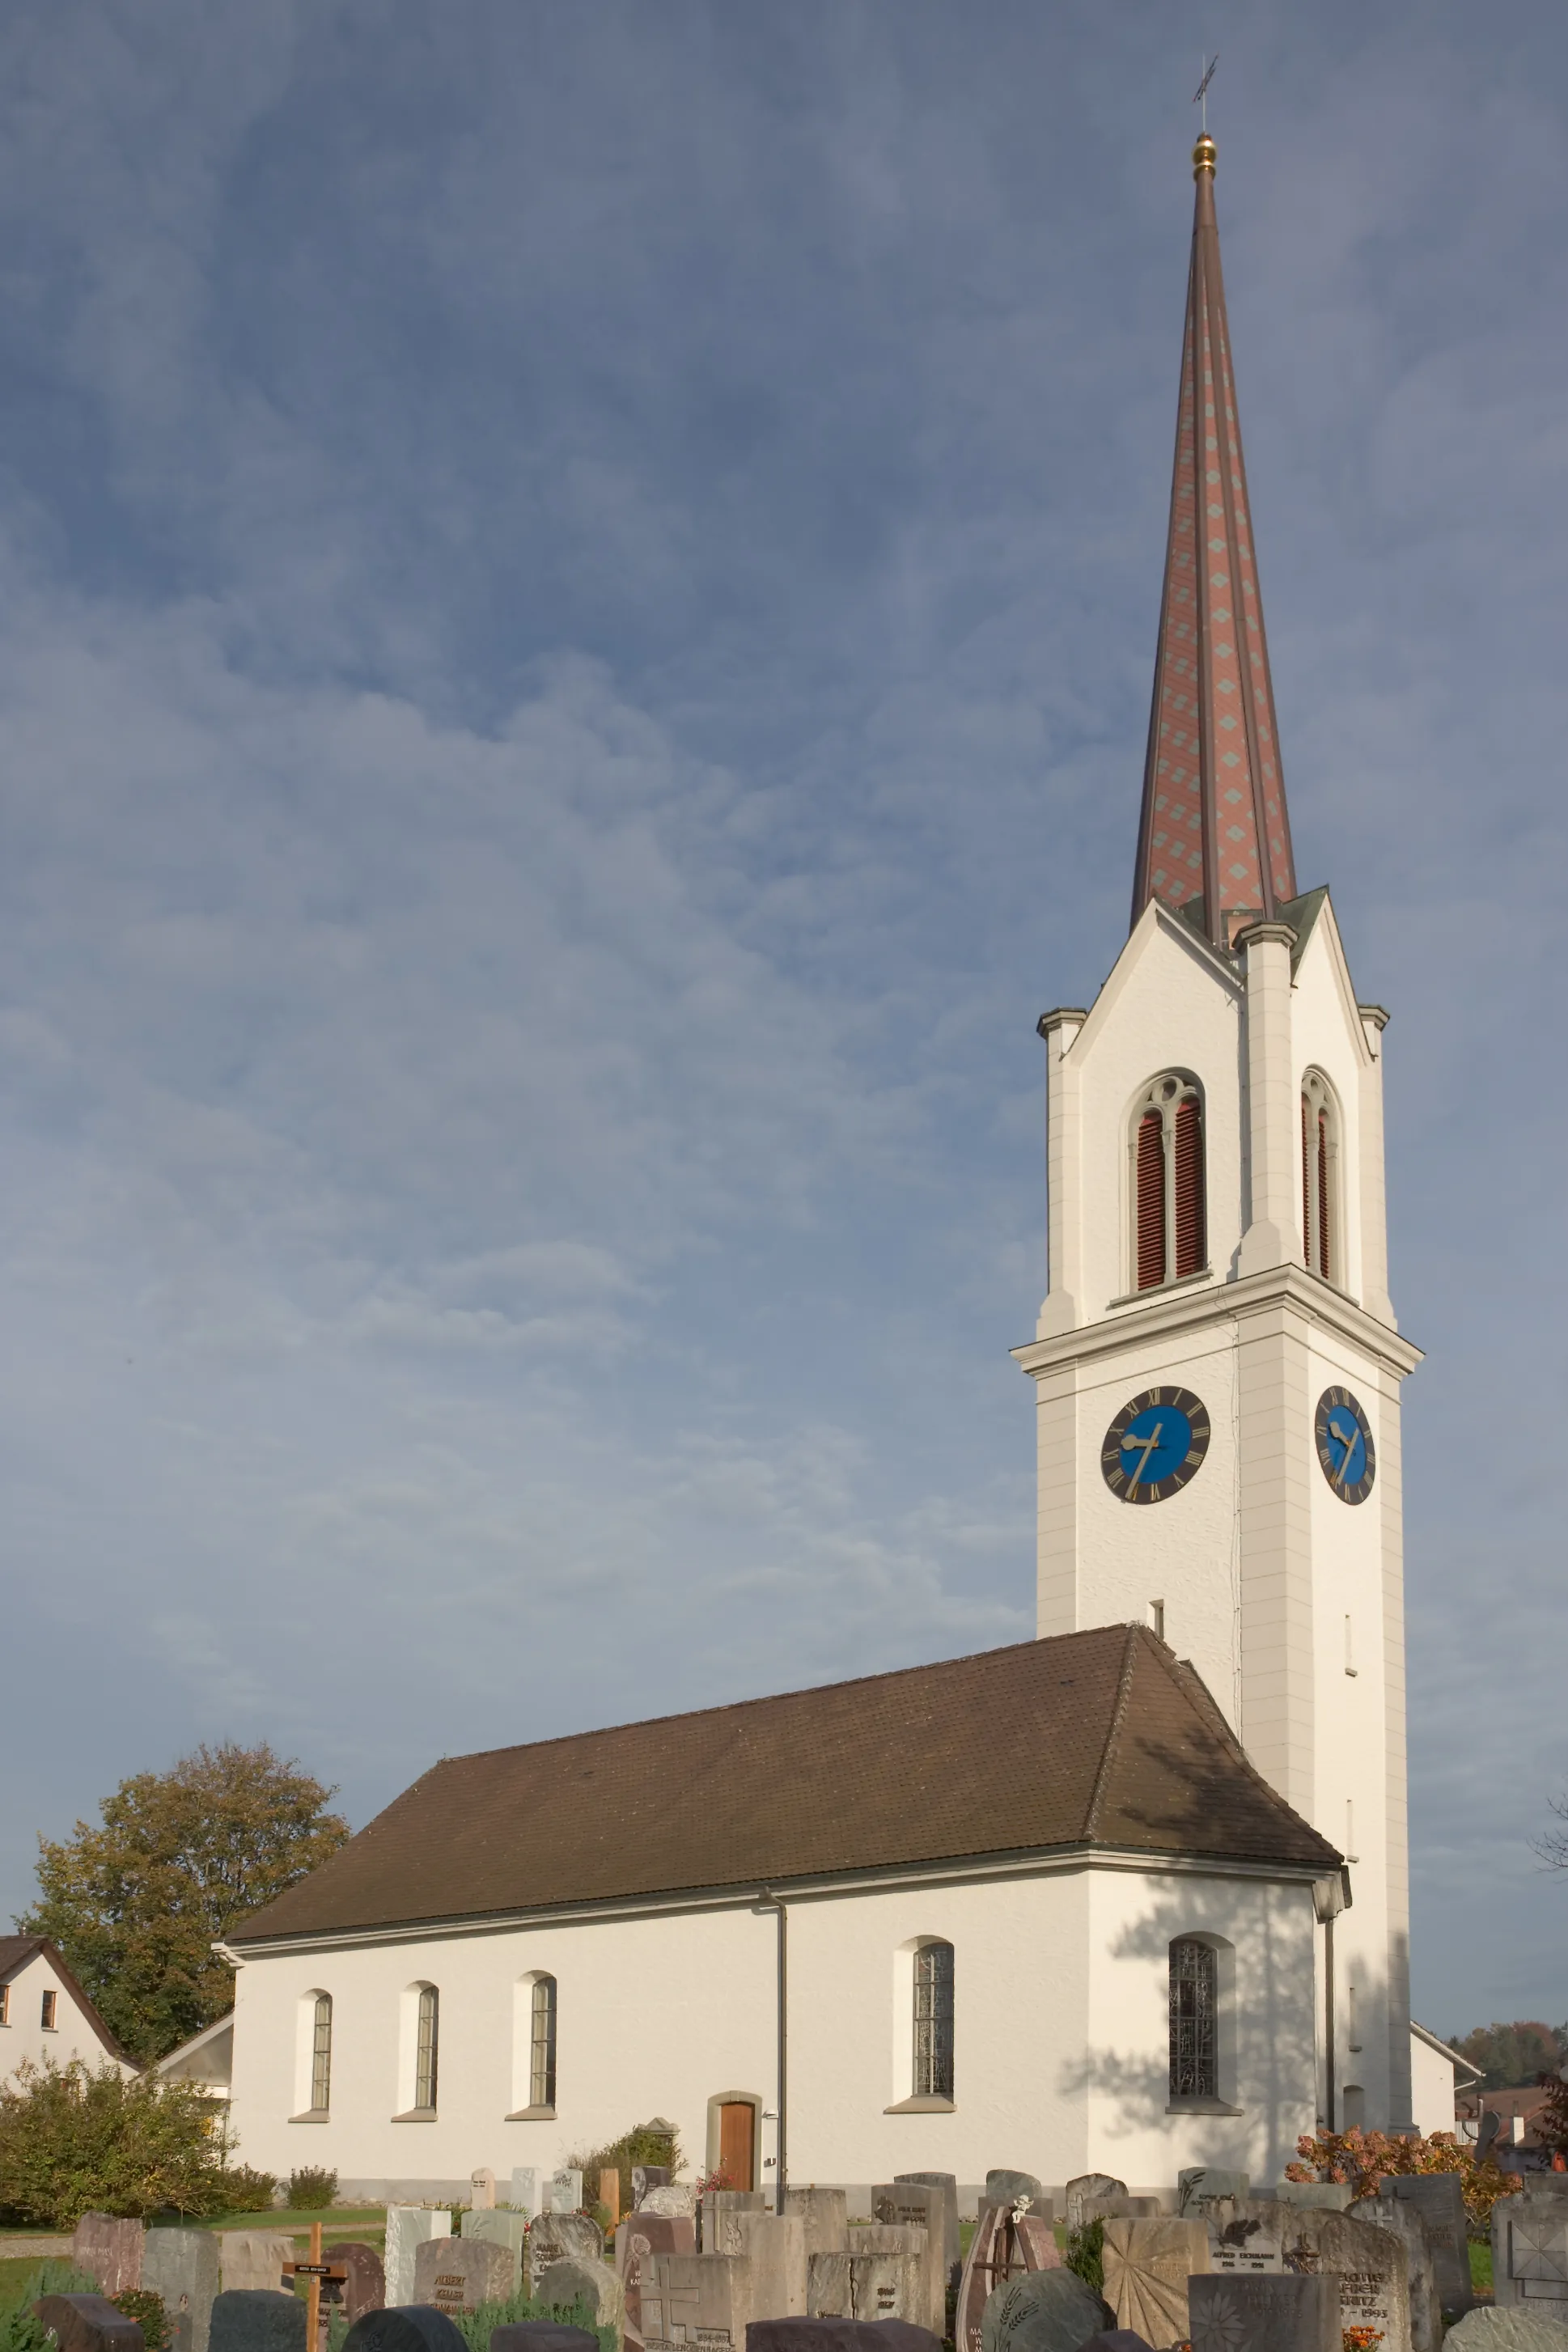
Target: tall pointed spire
(1214,827)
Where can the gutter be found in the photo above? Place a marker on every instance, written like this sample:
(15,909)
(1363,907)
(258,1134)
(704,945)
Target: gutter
(767,1902)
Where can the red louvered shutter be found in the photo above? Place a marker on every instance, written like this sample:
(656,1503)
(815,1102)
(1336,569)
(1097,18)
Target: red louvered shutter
(1306,1179)
(1151,1201)
(1323,1266)
(1191,1243)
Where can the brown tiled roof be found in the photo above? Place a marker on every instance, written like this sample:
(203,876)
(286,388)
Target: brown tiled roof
(15,1951)
(1099,1738)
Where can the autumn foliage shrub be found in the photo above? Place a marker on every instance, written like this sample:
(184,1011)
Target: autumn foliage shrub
(1364,2157)
(73,2142)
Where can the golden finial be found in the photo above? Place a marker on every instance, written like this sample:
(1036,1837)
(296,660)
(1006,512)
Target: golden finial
(1204,155)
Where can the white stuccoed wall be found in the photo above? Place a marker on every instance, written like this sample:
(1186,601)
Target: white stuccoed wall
(25,2037)
(1061,2035)
(1256,1563)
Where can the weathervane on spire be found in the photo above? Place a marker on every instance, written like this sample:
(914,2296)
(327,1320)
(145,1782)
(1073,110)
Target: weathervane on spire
(1200,95)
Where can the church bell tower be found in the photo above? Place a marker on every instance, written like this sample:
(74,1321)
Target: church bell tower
(1217,1366)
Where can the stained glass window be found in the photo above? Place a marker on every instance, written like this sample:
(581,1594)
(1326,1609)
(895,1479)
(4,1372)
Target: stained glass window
(541,2056)
(1194,2066)
(426,2047)
(933,2021)
(321,2055)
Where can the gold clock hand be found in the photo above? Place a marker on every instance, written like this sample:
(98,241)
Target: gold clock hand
(1349,1444)
(1149,1448)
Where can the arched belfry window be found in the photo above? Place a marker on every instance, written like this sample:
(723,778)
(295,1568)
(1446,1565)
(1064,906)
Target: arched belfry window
(1319,1177)
(933,2021)
(1194,2018)
(1170,1225)
(542,2044)
(426,2047)
(321,2053)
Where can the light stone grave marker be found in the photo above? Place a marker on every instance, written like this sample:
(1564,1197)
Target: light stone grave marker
(1147,2265)
(1004,2188)
(1087,2187)
(669,2198)
(254,2258)
(698,2303)
(1200,2183)
(181,2266)
(1406,2222)
(715,2203)
(497,2227)
(775,2246)
(1368,2262)
(481,2189)
(928,2308)
(865,2287)
(1530,2253)
(947,2182)
(1512,2327)
(110,2250)
(1440,2198)
(1282,2313)
(1337,2196)
(918,2205)
(460,2273)
(563,2238)
(523,2197)
(824,2216)
(564,2192)
(407,2229)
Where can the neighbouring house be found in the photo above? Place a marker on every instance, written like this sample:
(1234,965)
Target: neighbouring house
(1516,2109)
(45,2014)
(1437,2076)
(206,2059)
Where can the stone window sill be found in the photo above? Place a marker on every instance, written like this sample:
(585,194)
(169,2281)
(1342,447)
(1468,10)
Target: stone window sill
(1162,1289)
(530,2116)
(922,2107)
(1195,2106)
(416,2116)
(311,2116)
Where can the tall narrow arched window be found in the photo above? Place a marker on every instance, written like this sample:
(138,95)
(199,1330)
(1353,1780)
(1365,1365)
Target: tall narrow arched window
(933,2021)
(321,2054)
(1169,1214)
(542,2045)
(426,2047)
(1195,2020)
(1319,1177)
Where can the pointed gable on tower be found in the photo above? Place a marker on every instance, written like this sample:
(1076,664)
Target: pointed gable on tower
(1215,836)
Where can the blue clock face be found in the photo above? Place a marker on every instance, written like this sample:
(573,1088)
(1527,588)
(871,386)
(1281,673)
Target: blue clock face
(1345,1451)
(1156,1444)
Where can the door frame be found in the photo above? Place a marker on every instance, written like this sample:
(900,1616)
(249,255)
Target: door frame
(721,2099)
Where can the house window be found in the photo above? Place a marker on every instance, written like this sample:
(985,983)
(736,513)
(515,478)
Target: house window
(1170,1220)
(542,2045)
(1319,1177)
(933,2021)
(1194,2041)
(426,2039)
(50,2011)
(4,2004)
(321,2055)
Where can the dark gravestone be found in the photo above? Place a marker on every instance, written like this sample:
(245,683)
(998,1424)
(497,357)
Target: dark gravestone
(649,2176)
(259,2319)
(1117,2339)
(406,2327)
(839,2336)
(362,2286)
(1042,2311)
(951,2252)
(182,2267)
(1287,2311)
(1439,2200)
(542,2336)
(1089,2189)
(87,2323)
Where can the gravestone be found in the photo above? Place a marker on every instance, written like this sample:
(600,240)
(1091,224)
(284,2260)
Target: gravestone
(1120,2208)
(259,2319)
(481,2189)
(1513,2328)
(1001,2246)
(563,2238)
(460,2273)
(667,2198)
(523,2197)
(542,2336)
(864,2286)
(407,2229)
(1087,2187)
(181,2266)
(924,2246)
(1368,2262)
(109,2251)
(363,2285)
(825,2215)
(645,2177)
(947,2182)
(714,2203)
(594,2285)
(254,2258)
(775,2246)
(409,2327)
(696,2300)
(911,2204)
(1004,2188)
(839,2336)
(1116,2339)
(1407,2222)
(1530,2254)
(1336,2196)
(1440,2198)
(1147,2265)
(500,2228)
(1264,2315)
(1042,2311)
(88,2323)
(564,2192)
(638,2238)
(1200,2184)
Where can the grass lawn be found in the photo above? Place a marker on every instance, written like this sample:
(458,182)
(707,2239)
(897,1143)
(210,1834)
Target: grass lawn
(339,2220)
(1481,2265)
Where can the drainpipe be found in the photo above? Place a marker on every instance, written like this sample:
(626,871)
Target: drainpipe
(1330,1897)
(767,1902)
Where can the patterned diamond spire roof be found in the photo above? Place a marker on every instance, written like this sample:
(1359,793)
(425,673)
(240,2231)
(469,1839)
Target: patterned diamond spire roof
(1215,829)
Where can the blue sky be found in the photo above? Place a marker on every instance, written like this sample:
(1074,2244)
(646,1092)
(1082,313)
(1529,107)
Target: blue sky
(579,592)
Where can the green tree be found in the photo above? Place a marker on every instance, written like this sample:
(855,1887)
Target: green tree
(178,1859)
(1510,2055)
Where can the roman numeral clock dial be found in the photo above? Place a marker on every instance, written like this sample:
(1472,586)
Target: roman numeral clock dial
(1156,1444)
(1345,1450)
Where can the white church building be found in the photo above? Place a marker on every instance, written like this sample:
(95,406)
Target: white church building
(1128,1898)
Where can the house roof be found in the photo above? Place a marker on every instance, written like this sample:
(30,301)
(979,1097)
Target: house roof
(1464,2074)
(15,1951)
(1098,1739)
(205,2041)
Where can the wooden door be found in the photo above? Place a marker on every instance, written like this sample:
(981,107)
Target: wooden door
(737,2143)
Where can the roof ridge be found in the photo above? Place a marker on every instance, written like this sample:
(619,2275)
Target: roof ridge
(1113,1732)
